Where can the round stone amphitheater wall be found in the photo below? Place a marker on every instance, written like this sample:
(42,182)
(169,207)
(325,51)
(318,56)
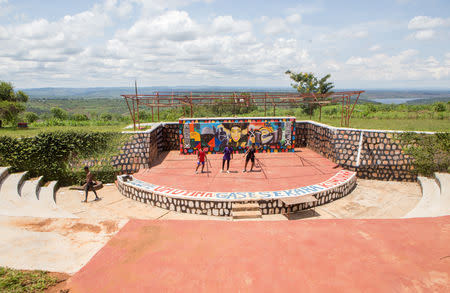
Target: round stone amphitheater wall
(373,154)
(202,205)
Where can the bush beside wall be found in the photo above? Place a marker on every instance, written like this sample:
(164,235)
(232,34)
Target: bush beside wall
(61,155)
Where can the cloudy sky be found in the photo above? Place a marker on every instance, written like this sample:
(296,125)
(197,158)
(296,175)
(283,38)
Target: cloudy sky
(362,44)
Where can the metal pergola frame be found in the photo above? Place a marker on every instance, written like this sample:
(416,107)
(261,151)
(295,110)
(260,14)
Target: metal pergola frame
(241,99)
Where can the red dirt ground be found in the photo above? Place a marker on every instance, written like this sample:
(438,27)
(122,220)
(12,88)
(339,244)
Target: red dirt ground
(279,171)
(405,255)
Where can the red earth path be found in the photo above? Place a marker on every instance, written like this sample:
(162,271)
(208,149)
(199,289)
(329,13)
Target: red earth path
(404,255)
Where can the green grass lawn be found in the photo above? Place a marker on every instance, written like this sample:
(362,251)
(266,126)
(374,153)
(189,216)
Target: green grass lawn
(363,123)
(15,281)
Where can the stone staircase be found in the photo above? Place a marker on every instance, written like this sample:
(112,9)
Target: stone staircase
(29,198)
(435,199)
(246,211)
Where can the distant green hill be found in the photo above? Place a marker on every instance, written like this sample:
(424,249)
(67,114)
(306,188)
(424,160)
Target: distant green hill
(376,96)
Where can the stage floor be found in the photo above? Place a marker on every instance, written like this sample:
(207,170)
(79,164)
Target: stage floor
(272,171)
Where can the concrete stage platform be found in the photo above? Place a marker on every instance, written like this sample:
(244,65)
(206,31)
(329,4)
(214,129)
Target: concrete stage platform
(273,171)
(405,255)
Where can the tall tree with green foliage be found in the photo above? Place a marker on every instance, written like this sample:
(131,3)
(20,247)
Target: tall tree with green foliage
(306,83)
(11,103)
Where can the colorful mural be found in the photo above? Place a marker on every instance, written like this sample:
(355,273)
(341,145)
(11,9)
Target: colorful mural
(268,135)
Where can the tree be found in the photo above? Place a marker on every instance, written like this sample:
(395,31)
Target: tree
(59,113)
(79,117)
(31,117)
(106,117)
(306,83)
(11,104)
(21,97)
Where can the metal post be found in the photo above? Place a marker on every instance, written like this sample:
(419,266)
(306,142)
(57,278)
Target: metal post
(351,112)
(273,101)
(347,110)
(137,105)
(310,111)
(190,102)
(265,102)
(138,121)
(320,112)
(134,117)
(131,113)
(157,101)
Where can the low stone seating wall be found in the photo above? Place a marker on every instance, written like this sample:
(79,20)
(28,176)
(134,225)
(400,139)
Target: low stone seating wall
(220,203)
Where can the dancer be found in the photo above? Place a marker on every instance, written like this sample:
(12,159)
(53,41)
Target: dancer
(201,157)
(227,155)
(89,184)
(249,155)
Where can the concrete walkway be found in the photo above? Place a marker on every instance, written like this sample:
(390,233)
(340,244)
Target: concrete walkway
(57,245)
(403,255)
(370,199)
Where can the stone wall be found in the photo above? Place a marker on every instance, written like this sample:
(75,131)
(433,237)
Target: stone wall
(373,154)
(171,136)
(138,152)
(145,146)
(203,206)
(380,154)
(319,139)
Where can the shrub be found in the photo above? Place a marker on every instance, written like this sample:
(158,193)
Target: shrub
(60,155)
(430,152)
(439,107)
(106,117)
(79,117)
(31,117)
(58,113)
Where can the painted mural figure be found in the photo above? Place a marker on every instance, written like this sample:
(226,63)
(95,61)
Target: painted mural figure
(238,135)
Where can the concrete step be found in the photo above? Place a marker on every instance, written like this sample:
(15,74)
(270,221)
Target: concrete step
(245,206)
(12,186)
(47,194)
(30,189)
(246,215)
(428,205)
(3,173)
(443,180)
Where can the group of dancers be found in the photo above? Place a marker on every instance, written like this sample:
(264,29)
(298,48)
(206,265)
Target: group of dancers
(227,156)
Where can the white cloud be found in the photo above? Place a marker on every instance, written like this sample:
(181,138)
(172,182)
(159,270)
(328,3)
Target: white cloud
(163,44)
(294,18)
(375,47)
(278,25)
(426,22)
(426,27)
(423,35)
(226,24)
(172,25)
(447,59)
(407,65)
